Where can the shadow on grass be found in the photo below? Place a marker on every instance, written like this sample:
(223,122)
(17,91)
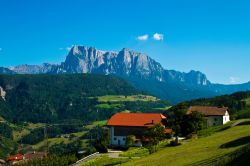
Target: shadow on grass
(224,128)
(237,142)
(244,123)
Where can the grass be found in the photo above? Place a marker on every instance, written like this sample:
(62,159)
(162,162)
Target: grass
(247,101)
(120,98)
(135,152)
(100,123)
(105,160)
(196,151)
(211,130)
(18,132)
(51,142)
(107,106)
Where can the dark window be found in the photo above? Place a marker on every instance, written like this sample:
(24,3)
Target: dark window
(123,139)
(114,138)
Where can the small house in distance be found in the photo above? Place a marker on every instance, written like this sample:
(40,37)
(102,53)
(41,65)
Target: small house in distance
(214,115)
(124,124)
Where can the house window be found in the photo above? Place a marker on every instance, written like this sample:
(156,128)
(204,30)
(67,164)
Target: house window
(123,139)
(115,138)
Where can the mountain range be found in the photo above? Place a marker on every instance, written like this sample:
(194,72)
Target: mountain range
(137,68)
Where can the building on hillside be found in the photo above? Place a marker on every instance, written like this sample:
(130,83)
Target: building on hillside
(34,155)
(20,158)
(214,115)
(14,159)
(124,124)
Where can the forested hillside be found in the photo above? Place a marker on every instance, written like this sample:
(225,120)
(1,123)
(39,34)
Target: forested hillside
(47,98)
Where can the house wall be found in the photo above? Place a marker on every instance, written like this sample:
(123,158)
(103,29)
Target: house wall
(214,120)
(118,135)
(116,139)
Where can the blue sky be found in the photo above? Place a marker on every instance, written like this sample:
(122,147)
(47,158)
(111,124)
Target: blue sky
(212,36)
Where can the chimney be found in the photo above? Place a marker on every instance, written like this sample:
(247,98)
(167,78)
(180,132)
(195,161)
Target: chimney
(152,121)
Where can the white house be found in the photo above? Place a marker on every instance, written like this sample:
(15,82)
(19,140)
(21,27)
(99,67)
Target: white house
(214,115)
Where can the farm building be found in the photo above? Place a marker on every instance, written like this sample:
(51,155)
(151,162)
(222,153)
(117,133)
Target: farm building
(214,115)
(124,124)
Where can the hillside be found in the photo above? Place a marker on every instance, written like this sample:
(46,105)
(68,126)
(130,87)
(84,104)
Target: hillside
(203,151)
(238,104)
(46,98)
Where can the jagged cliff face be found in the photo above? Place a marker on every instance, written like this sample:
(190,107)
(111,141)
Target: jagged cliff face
(125,63)
(139,69)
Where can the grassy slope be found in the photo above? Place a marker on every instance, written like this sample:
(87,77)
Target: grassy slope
(197,150)
(18,133)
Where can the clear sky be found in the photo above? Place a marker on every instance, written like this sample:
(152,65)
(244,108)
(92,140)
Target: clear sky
(212,36)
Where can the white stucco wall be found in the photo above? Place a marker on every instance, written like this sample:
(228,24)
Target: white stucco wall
(226,118)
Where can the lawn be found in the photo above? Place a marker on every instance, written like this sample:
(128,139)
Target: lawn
(135,152)
(197,151)
(107,106)
(120,98)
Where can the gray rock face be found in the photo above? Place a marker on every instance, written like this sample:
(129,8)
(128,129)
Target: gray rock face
(33,69)
(124,63)
(2,93)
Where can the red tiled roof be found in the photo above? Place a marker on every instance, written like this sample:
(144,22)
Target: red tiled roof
(208,110)
(15,157)
(136,119)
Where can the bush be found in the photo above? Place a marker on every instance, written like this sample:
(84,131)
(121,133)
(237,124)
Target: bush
(52,161)
(130,140)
